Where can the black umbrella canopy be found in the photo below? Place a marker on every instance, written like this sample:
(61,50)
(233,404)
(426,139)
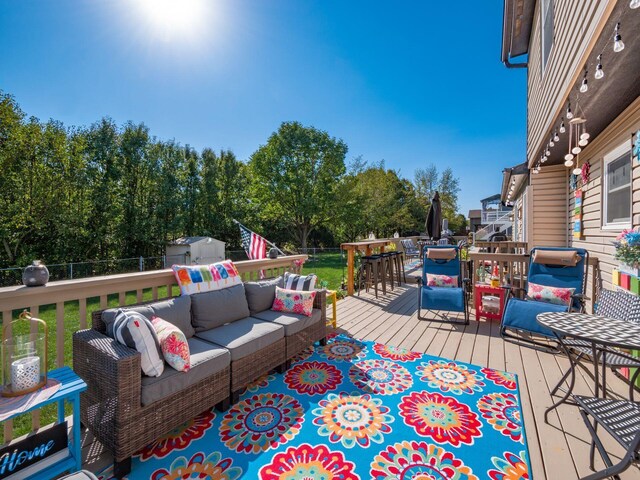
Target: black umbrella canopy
(434,218)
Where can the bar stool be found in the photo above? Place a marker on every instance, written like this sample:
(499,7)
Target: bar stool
(371,270)
(398,265)
(390,267)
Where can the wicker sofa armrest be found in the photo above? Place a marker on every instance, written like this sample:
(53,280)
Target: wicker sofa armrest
(320,302)
(112,372)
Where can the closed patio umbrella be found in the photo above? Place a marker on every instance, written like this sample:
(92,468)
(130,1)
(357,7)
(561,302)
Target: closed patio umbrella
(434,218)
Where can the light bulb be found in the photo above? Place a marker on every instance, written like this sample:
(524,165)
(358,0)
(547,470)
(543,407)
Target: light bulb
(599,72)
(584,87)
(547,153)
(568,163)
(576,150)
(584,136)
(583,142)
(569,113)
(634,4)
(562,128)
(618,44)
(568,157)
(577,171)
(556,138)
(552,143)
(543,159)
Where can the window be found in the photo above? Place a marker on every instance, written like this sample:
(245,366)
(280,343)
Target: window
(617,188)
(546,31)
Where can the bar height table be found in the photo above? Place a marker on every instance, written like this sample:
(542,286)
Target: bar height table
(594,329)
(365,246)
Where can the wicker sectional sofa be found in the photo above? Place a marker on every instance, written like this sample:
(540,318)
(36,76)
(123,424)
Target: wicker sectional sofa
(234,338)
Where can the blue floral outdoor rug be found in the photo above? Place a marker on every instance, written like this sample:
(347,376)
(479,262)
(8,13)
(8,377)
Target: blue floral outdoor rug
(355,410)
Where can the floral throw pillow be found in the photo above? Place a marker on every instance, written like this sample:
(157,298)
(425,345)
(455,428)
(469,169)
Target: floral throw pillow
(173,343)
(442,280)
(293,301)
(555,295)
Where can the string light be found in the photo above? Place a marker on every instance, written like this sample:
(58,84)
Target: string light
(552,143)
(569,112)
(584,87)
(634,4)
(599,72)
(547,152)
(562,127)
(618,44)
(556,138)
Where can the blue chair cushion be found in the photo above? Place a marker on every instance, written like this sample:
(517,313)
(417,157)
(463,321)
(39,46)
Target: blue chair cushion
(521,315)
(440,298)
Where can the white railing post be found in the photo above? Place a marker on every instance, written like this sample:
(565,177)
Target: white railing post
(141,264)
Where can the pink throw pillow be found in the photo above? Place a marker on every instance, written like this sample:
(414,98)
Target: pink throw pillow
(173,344)
(294,301)
(442,281)
(554,295)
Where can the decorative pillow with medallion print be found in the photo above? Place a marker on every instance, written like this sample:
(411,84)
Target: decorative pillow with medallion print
(293,301)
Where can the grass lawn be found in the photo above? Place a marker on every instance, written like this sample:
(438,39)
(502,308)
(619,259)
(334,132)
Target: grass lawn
(328,267)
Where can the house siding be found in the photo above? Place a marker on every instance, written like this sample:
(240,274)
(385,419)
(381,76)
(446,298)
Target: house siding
(594,238)
(548,205)
(576,27)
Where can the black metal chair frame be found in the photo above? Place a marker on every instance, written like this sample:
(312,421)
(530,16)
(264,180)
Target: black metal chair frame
(632,454)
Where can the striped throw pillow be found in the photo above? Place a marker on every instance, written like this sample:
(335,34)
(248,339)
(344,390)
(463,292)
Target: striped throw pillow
(293,281)
(136,331)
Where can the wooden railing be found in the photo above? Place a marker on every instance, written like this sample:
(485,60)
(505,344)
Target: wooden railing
(504,247)
(88,294)
(513,270)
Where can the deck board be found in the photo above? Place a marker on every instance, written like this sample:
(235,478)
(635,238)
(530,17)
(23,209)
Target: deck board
(559,449)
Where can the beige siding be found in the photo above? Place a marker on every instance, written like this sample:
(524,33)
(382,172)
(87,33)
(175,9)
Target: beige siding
(548,208)
(595,239)
(577,24)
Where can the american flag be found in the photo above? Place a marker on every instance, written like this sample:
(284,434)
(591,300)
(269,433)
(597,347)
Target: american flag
(254,244)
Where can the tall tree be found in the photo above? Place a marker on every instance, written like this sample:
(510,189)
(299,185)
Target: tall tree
(296,176)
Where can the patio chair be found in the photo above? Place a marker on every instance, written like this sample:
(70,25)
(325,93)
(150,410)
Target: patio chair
(621,420)
(410,249)
(613,304)
(549,267)
(442,260)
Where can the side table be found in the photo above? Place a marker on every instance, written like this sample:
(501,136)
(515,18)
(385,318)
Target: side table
(480,290)
(71,385)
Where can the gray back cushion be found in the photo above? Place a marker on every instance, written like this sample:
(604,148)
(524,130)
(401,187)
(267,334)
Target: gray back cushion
(213,309)
(109,316)
(176,311)
(260,295)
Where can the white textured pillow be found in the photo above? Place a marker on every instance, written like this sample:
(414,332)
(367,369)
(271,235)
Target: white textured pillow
(136,331)
(293,281)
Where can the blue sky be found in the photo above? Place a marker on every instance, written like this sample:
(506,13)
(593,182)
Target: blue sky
(412,83)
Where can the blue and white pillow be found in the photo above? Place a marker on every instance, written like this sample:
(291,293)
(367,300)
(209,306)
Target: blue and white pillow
(293,281)
(136,331)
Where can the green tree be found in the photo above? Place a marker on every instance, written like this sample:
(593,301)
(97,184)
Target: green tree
(296,176)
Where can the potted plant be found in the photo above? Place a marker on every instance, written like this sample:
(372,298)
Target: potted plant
(627,246)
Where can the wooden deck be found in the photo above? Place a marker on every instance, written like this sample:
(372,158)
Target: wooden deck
(558,450)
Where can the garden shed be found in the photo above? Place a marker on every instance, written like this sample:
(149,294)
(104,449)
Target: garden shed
(195,251)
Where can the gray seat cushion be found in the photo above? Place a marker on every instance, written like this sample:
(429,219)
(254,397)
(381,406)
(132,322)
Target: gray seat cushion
(260,295)
(292,322)
(214,309)
(244,337)
(206,359)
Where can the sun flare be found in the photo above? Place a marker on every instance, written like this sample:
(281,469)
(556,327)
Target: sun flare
(174,17)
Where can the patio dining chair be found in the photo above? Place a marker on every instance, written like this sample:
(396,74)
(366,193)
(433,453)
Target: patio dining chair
(410,249)
(549,268)
(621,420)
(612,304)
(441,286)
